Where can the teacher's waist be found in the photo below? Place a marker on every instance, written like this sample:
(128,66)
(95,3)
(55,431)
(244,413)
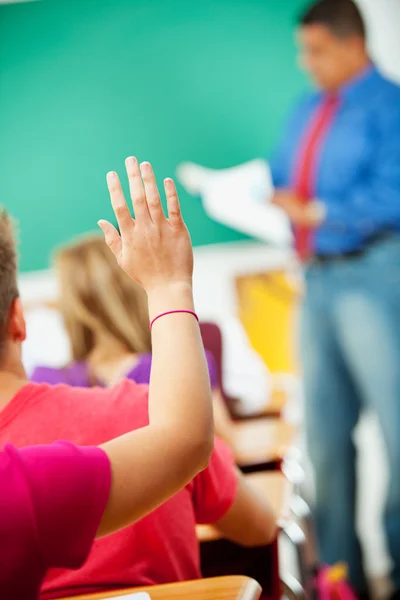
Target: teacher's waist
(376,238)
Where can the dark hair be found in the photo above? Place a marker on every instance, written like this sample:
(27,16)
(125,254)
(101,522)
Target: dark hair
(341,17)
(8,273)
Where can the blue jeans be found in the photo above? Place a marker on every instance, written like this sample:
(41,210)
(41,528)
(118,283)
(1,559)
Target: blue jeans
(350,342)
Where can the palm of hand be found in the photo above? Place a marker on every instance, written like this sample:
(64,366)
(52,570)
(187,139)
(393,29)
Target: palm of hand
(152,249)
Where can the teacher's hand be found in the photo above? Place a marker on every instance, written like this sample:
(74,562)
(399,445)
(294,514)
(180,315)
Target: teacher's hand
(310,215)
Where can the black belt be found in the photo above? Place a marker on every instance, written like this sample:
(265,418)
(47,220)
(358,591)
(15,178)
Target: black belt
(320,259)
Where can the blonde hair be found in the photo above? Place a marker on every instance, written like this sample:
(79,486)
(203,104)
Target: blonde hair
(8,273)
(98,299)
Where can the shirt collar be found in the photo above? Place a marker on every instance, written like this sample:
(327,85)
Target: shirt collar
(359,85)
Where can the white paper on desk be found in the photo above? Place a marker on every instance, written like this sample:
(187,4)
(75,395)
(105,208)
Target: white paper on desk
(137,596)
(238,197)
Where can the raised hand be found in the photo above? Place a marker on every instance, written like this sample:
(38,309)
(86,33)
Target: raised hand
(152,249)
(155,462)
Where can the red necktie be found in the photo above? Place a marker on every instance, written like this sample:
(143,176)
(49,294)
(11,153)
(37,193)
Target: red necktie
(305,173)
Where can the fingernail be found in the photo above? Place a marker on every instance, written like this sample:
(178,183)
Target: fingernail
(100,224)
(111,176)
(131,160)
(145,168)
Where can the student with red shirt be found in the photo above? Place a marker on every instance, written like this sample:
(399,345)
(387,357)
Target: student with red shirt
(55,499)
(160,548)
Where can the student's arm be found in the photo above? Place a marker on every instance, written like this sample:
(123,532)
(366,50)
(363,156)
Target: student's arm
(221,496)
(224,426)
(250,521)
(223,423)
(151,464)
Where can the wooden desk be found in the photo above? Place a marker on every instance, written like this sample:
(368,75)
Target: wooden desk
(261,441)
(271,484)
(218,588)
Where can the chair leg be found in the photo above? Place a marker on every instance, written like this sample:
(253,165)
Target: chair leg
(296,536)
(291,588)
(293,470)
(302,512)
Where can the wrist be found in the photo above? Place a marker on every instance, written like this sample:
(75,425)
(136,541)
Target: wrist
(316,213)
(171,296)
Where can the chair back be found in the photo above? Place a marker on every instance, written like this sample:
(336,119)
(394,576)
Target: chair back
(213,343)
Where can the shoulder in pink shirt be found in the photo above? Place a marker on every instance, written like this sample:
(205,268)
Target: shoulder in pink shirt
(160,548)
(52,499)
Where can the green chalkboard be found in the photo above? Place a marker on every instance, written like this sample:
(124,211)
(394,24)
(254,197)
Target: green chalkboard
(84,83)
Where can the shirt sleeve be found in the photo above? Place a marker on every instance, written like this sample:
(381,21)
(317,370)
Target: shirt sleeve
(215,488)
(374,203)
(69,488)
(47,375)
(213,371)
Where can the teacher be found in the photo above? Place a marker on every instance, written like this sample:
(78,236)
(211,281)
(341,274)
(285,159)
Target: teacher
(337,177)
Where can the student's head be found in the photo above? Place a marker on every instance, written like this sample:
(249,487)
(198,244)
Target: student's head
(98,301)
(12,323)
(332,42)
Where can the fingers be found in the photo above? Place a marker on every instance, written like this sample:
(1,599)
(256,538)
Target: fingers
(138,195)
(152,194)
(120,208)
(174,209)
(145,197)
(112,238)
(278,198)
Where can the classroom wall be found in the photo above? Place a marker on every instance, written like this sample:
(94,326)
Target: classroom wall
(383,20)
(84,84)
(216,266)
(72,104)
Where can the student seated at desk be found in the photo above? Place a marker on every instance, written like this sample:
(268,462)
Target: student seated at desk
(54,500)
(106,317)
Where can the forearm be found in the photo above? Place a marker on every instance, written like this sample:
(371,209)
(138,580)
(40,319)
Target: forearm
(179,394)
(148,466)
(224,426)
(251,520)
(151,464)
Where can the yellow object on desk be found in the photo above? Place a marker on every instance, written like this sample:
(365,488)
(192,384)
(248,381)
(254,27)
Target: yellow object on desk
(267,310)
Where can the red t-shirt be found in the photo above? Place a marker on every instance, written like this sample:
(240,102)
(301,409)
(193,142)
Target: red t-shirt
(52,499)
(160,548)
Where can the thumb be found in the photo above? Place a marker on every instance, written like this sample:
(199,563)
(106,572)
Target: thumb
(112,237)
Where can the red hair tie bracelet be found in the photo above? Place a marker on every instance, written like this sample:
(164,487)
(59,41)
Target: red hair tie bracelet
(172,312)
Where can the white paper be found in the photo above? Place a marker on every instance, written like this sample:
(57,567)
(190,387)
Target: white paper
(239,198)
(245,375)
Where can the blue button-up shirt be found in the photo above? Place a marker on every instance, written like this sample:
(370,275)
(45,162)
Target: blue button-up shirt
(358,165)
